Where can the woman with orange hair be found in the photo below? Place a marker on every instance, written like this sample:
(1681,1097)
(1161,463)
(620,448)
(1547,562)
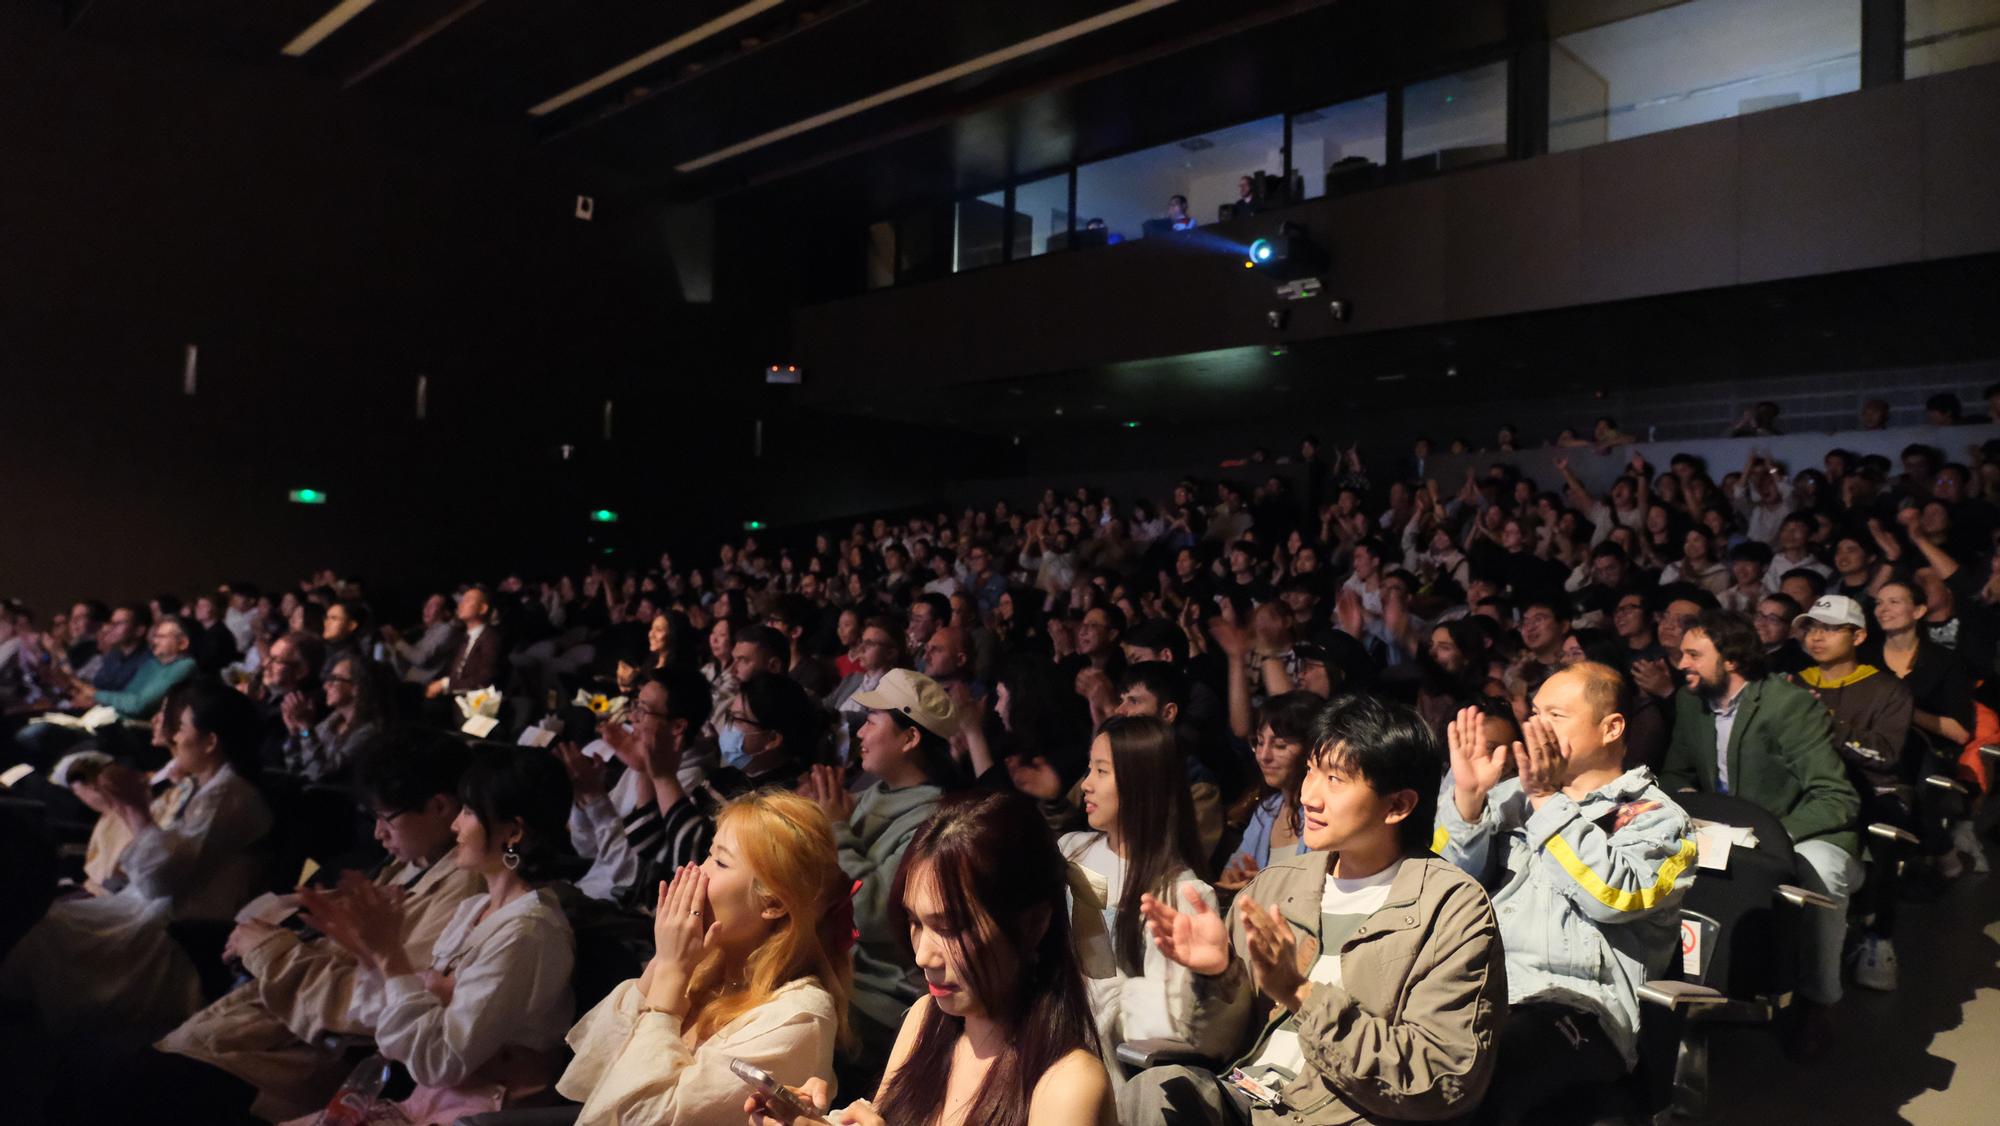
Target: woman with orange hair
(752,962)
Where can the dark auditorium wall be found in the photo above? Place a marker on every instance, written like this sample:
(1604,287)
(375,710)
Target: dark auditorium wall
(322,250)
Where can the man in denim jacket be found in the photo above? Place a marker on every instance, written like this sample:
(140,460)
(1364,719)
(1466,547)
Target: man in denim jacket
(1587,863)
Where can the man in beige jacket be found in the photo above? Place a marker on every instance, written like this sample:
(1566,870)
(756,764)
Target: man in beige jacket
(259,1049)
(1373,969)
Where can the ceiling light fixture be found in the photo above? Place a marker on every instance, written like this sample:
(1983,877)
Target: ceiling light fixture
(335,18)
(638,63)
(930,81)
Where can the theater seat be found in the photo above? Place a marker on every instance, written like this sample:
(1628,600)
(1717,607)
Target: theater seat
(1740,928)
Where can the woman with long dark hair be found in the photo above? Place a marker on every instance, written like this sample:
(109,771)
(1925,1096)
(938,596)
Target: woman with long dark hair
(1142,841)
(1005,1036)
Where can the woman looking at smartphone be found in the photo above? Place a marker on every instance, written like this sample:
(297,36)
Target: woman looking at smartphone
(751,962)
(1004,1036)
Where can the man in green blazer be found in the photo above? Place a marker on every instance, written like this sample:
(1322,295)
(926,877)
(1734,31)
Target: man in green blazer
(1740,731)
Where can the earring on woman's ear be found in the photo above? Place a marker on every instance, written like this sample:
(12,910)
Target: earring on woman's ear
(510,856)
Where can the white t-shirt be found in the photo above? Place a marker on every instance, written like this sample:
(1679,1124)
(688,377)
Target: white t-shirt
(1342,907)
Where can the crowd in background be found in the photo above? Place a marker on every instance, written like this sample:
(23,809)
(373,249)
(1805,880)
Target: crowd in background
(932,812)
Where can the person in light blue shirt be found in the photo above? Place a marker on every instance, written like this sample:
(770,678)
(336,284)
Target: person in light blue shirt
(1587,864)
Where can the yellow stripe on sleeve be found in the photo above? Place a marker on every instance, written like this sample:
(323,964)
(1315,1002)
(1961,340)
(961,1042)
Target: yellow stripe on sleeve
(1611,897)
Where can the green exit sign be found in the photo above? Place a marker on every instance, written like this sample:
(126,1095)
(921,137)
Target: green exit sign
(604,516)
(306,496)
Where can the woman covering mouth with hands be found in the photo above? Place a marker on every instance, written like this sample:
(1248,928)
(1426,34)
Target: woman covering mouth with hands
(752,962)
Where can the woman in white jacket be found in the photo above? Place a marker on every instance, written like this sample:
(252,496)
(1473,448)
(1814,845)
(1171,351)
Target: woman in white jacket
(1142,842)
(752,962)
(480,1029)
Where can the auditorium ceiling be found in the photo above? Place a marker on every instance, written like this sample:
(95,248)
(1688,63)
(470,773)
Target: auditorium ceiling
(883,100)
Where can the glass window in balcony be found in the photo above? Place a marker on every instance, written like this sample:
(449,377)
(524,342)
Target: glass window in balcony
(1457,120)
(1041,216)
(1695,61)
(1135,195)
(979,232)
(1342,146)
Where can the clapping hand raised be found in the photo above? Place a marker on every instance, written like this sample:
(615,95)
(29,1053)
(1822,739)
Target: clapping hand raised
(1475,769)
(1197,938)
(1273,950)
(361,917)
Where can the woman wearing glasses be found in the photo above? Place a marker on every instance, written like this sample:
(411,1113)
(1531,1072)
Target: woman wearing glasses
(355,698)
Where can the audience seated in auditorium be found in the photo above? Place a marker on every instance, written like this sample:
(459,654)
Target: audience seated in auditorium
(1232,614)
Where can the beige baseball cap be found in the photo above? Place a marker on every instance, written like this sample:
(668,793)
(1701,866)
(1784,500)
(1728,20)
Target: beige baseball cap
(917,698)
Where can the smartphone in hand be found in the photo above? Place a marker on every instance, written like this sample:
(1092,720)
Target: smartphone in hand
(777,1096)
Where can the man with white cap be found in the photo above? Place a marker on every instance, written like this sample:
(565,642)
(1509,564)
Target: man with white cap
(1871,712)
(1871,709)
(905,745)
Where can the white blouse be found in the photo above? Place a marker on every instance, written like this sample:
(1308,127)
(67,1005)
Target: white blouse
(511,975)
(633,1065)
(106,963)
(1157,1003)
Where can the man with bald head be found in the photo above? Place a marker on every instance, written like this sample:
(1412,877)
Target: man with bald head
(1595,861)
(948,657)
